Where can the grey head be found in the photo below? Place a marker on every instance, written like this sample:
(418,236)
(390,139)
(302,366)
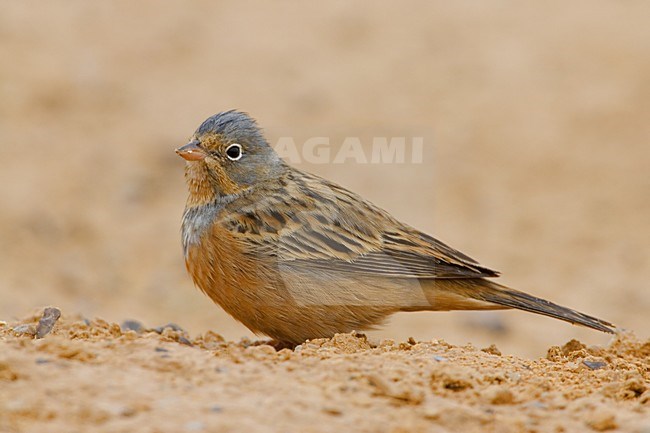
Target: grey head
(231,150)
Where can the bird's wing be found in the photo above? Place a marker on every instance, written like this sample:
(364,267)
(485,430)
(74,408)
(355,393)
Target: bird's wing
(317,224)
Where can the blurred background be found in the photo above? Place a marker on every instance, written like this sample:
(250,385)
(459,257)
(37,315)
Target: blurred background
(535,118)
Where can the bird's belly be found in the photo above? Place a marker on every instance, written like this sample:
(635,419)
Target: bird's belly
(288,304)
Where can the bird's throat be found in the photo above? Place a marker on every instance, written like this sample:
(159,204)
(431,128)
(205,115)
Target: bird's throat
(201,188)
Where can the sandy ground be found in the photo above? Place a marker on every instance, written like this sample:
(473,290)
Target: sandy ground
(93,373)
(534,119)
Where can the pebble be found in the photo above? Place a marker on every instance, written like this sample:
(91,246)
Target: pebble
(594,365)
(184,341)
(132,325)
(25,330)
(47,322)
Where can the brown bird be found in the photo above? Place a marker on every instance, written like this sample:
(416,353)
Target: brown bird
(296,257)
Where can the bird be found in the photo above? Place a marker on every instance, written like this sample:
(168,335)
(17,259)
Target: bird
(295,257)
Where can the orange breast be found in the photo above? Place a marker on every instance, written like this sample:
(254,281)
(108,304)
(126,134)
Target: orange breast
(240,282)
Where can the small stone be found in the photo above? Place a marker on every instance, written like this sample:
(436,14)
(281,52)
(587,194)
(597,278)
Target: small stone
(25,330)
(184,341)
(132,325)
(161,349)
(439,358)
(47,322)
(594,365)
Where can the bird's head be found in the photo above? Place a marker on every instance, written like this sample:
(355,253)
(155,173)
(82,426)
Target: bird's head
(227,155)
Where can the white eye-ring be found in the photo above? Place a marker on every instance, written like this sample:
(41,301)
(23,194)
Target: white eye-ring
(234,152)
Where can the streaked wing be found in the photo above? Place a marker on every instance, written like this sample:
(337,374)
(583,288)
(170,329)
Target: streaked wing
(316,224)
(345,252)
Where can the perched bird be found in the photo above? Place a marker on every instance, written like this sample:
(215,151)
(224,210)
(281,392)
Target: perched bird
(295,257)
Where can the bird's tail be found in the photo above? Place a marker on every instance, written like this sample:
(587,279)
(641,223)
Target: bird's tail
(484,294)
(504,296)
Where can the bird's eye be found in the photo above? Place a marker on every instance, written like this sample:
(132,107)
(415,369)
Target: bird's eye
(234,152)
